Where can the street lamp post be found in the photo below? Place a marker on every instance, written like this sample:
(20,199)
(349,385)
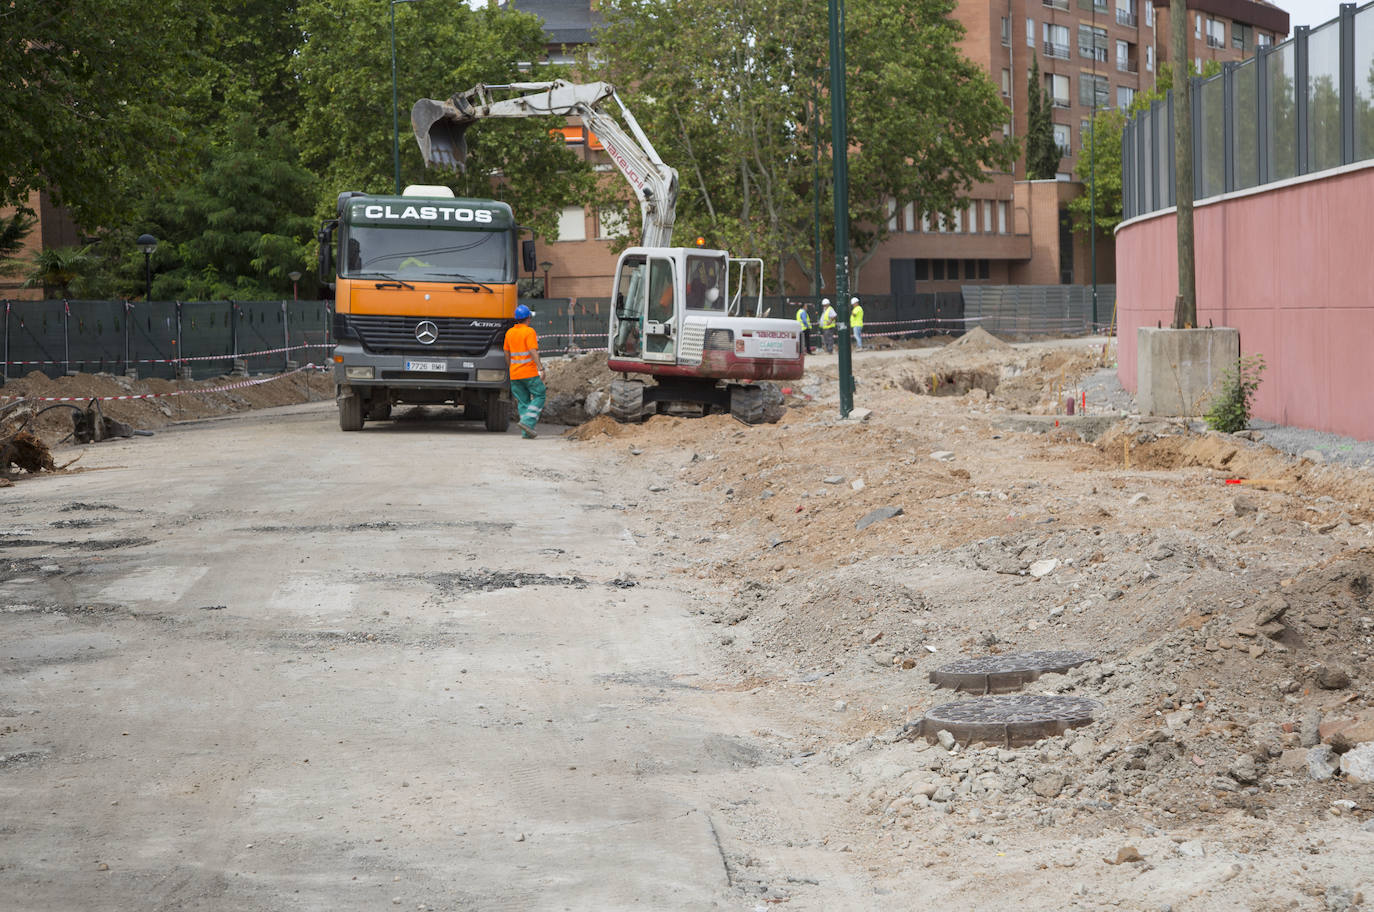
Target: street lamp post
(395,117)
(147,243)
(294,277)
(546,266)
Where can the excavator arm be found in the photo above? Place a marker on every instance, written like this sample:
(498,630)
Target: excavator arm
(440,126)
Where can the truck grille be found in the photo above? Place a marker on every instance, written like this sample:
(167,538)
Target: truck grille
(457,335)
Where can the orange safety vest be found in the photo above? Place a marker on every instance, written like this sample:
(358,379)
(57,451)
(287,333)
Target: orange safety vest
(522,344)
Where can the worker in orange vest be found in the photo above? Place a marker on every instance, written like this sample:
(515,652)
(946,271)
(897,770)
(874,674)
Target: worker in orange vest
(526,371)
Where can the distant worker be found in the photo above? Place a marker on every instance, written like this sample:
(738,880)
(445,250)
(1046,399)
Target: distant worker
(804,318)
(526,371)
(828,318)
(856,322)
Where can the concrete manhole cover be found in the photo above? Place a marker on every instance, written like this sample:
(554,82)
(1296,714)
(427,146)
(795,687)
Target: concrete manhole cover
(1004,673)
(1009,719)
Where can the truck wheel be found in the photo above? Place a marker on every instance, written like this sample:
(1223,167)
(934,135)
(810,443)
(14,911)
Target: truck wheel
(746,404)
(627,401)
(497,416)
(378,410)
(350,413)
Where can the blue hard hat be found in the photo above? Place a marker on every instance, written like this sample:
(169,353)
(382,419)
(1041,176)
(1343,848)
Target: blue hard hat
(522,312)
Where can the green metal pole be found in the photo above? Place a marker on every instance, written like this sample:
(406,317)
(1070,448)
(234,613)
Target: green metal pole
(839,117)
(395,118)
(816,190)
(1092,200)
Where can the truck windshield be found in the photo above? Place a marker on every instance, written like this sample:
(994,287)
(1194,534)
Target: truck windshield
(428,254)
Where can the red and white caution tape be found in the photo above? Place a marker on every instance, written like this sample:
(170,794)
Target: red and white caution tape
(256,354)
(185,392)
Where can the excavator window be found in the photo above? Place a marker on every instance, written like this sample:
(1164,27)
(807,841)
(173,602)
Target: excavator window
(704,288)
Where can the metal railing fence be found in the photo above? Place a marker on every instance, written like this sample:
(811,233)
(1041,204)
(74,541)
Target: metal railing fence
(1297,108)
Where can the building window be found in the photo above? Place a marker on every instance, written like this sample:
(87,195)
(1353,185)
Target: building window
(909,216)
(937,270)
(1058,87)
(1125,13)
(1124,96)
(1263,40)
(1001,216)
(572,224)
(611,223)
(1125,57)
(1216,33)
(987,216)
(1006,32)
(970,269)
(925,222)
(1242,36)
(1006,82)
(1063,138)
(1057,41)
(952,270)
(1197,25)
(1092,43)
(922,270)
(984,270)
(972,218)
(958,221)
(1149,13)
(891,214)
(1093,91)
(1149,58)
(1030,32)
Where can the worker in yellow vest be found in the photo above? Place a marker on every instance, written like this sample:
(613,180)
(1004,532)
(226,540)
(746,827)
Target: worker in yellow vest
(856,322)
(804,318)
(828,317)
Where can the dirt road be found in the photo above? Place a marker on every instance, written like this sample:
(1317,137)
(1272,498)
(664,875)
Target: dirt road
(254,664)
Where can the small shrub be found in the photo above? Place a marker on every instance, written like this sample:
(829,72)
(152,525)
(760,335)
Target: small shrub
(1230,411)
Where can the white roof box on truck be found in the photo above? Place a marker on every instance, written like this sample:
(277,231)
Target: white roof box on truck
(430,190)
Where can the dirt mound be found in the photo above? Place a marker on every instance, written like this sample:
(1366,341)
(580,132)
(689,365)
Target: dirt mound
(600,426)
(979,339)
(200,401)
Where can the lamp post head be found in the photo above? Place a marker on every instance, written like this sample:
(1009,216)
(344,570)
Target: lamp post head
(294,276)
(546,265)
(147,243)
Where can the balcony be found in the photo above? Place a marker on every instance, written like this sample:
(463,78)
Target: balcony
(1126,18)
(1098,54)
(1060,102)
(1054,49)
(1127,66)
(1056,4)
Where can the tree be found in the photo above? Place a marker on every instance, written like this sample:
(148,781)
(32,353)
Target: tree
(1042,152)
(93,99)
(13,230)
(736,101)
(343,68)
(241,227)
(60,271)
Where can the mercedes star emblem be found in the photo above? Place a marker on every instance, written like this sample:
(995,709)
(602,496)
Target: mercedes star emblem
(427,332)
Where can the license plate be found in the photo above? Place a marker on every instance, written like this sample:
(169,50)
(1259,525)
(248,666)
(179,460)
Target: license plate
(435,367)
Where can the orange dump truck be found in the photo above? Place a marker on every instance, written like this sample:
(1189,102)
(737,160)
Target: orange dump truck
(425,290)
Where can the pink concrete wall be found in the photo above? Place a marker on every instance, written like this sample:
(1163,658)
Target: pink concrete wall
(1291,268)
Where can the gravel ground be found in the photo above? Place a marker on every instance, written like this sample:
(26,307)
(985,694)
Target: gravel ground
(1104,388)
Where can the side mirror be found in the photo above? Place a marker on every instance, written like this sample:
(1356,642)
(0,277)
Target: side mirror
(326,254)
(527,255)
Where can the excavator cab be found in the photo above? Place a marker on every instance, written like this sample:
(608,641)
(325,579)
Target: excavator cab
(646,312)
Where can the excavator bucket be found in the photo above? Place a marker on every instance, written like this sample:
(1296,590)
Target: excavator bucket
(439,131)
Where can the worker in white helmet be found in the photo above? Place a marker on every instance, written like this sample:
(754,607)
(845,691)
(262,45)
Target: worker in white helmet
(828,320)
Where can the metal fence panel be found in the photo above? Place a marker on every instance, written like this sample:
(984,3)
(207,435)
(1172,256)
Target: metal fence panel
(1031,311)
(95,333)
(308,324)
(1211,117)
(1324,97)
(206,330)
(37,337)
(1364,87)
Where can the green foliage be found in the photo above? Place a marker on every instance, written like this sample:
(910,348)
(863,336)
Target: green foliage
(93,99)
(739,102)
(13,230)
(240,228)
(1230,411)
(64,272)
(1042,152)
(345,133)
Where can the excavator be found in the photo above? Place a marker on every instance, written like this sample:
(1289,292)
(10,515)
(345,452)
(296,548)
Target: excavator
(689,319)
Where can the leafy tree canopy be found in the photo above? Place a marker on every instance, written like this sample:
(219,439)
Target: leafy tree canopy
(739,104)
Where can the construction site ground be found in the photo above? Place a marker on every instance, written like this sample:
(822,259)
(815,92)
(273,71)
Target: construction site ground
(259,664)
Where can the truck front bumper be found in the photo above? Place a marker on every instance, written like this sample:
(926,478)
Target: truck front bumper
(364,370)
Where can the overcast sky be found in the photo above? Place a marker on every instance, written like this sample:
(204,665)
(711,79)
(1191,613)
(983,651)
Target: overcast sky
(1309,12)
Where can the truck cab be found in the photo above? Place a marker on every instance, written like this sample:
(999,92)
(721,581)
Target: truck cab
(425,291)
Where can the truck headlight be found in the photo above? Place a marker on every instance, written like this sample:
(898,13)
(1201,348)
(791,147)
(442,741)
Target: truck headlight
(487,375)
(358,373)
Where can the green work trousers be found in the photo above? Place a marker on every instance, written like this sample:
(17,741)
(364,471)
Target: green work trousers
(529,399)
